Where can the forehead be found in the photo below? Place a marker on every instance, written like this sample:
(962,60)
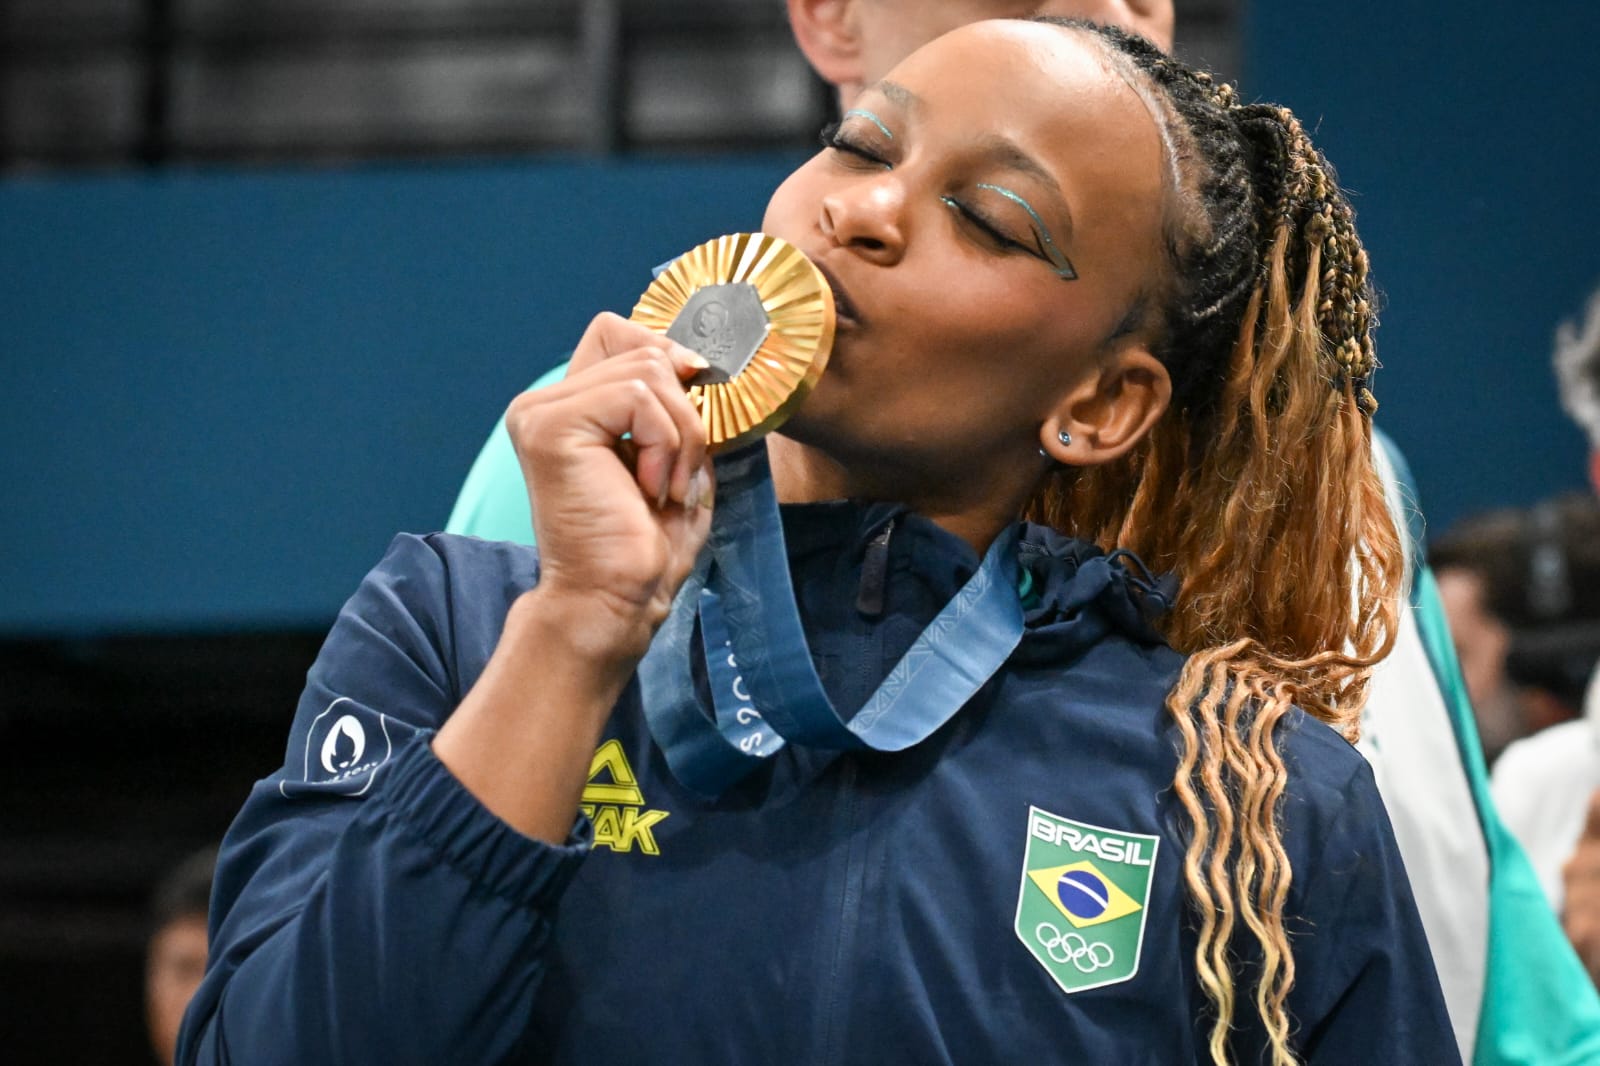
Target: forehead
(1052,91)
(1042,71)
(1054,95)
(983,96)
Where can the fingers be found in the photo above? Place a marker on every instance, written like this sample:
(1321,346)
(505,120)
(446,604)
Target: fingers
(665,459)
(610,335)
(611,338)
(635,395)
(689,526)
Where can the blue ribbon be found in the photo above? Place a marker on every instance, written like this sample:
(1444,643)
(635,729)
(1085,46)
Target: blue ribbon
(765,690)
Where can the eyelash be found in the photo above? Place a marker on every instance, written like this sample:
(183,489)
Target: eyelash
(989,229)
(831,138)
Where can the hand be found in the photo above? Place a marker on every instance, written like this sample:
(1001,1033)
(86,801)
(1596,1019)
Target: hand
(618,522)
(1581,916)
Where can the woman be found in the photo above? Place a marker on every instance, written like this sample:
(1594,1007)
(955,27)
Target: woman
(1075,283)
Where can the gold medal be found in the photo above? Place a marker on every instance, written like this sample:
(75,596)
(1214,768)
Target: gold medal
(761,314)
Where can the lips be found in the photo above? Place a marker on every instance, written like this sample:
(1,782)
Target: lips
(843,308)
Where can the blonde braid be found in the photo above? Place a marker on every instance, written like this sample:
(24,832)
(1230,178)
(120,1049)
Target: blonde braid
(1259,490)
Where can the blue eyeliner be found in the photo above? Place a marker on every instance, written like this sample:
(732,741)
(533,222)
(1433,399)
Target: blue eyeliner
(870,117)
(1057,258)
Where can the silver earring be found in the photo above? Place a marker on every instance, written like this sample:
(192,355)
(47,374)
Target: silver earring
(1065,438)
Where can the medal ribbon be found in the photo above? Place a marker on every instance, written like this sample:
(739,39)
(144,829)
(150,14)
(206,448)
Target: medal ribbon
(765,690)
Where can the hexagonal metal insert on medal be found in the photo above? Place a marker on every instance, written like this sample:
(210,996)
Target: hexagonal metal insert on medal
(726,325)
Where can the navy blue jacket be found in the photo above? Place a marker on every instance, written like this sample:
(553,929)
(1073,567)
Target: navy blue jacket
(830,908)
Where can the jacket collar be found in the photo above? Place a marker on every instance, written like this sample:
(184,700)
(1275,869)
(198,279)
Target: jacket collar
(1074,594)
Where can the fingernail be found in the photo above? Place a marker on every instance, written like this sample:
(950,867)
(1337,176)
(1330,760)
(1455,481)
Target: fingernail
(693,358)
(699,490)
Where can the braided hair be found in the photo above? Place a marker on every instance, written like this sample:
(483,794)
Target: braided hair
(1257,488)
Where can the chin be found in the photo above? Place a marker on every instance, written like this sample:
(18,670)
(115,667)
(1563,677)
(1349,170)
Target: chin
(820,413)
(838,441)
(803,429)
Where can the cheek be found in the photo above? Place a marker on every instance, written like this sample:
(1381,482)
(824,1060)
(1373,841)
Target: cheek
(997,326)
(792,204)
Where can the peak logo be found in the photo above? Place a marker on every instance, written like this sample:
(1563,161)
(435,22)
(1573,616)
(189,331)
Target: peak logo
(345,746)
(614,802)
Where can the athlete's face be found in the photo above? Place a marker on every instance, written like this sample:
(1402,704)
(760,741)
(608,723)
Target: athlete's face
(990,216)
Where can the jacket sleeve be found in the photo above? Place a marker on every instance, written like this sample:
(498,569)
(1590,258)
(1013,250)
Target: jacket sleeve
(366,907)
(1367,990)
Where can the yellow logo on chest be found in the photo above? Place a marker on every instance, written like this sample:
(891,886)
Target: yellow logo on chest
(612,801)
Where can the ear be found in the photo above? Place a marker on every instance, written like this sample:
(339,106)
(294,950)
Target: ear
(1109,412)
(827,33)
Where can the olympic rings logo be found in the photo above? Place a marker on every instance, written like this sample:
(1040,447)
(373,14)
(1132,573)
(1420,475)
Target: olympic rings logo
(1070,947)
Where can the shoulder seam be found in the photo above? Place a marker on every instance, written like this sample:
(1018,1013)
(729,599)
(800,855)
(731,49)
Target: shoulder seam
(456,694)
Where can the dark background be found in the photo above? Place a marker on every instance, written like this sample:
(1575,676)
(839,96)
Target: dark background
(269,272)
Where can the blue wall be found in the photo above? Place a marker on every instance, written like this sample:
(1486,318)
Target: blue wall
(1470,136)
(223,393)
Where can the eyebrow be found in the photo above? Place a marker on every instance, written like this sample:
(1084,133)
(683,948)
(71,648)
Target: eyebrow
(897,94)
(1005,154)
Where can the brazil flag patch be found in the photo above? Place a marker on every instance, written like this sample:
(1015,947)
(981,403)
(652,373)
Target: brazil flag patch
(1081,907)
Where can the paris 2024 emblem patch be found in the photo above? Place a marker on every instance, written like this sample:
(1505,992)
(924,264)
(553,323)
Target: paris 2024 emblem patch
(1081,906)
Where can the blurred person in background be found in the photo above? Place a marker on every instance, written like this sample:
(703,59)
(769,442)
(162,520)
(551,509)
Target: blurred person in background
(852,43)
(1548,786)
(1515,991)
(175,957)
(1522,591)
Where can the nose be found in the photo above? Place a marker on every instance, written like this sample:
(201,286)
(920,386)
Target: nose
(868,218)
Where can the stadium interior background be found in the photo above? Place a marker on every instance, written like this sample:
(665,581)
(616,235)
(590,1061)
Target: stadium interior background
(269,272)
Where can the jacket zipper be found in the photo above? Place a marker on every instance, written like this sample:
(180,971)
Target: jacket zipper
(870,599)
(840,987)
(874,573)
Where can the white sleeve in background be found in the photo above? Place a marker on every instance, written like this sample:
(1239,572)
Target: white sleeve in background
(1542,786)
(1408,738)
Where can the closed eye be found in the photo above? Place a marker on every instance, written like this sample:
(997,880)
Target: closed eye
(840,142)
(1045,247)
(994,233)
